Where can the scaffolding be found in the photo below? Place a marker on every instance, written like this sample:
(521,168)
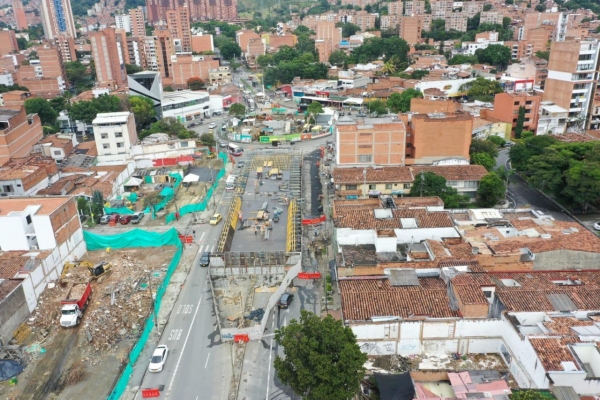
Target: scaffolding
(230,222)
(294,229)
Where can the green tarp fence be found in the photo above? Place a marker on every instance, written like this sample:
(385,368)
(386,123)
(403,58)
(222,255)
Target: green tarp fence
(120,210)
(133,197)
(167,194)
(138,238)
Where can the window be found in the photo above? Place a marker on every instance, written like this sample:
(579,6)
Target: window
(57,152)
(120,144)
(452,183)
(364,158)
(407,186)
(351,187)
(528,102)
(104,136)
(28,219)
(106,146)
(184,144)
(388,185)
(471,184)
(372,187)
(516,103)
(119,134)
(488,294)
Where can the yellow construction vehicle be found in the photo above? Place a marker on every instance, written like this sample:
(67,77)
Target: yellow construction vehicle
(99,269)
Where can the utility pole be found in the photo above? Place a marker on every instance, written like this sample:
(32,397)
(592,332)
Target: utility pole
(422,182)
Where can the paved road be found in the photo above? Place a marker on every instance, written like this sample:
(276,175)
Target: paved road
(199,364)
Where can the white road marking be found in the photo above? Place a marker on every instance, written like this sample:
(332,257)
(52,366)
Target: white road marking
(202,237)
(285,321)
(213,249)
(206,363)
(185,342)
(270,357)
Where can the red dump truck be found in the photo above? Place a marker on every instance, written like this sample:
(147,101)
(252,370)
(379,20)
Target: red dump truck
(74,305)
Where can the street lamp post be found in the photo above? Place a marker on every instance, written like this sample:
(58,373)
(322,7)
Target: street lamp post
(153,301)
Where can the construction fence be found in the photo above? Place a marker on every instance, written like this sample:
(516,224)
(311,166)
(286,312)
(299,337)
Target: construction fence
(138,238)
(203,205)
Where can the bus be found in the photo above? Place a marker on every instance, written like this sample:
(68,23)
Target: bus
(234,149)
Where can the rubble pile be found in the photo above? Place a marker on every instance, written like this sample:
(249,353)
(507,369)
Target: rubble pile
(47,312)
(77,291)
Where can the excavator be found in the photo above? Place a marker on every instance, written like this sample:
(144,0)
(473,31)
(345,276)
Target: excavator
(95,270)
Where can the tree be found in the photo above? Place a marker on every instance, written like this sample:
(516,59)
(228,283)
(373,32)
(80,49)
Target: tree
(483,159)
(349,29)
(321,358)
(195,83)
(497,140)
(526,395)
(97,204)
(171,126)
(400,102)
(230,50)
(132,69)
(377,107)
(388,68)
(481,89)
(143,110)
(22,43)
(463,59)
(83,206)
(59,104)
(78,76)
(237,109)
(495,54)
(208,139)
(86,111)
(483,146)
(43,109)
(520,122)
(315,108)
(543,54)
(338,58)
(428,184)
(491,190)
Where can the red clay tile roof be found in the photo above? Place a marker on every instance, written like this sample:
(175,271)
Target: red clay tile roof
(454,172)
(471,294)
(374,175)
(553,351)
(48,204)
(8,286)
(562,325)
(363,299)
(365,219)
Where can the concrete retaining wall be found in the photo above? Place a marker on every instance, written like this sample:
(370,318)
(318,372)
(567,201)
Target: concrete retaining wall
(13,311)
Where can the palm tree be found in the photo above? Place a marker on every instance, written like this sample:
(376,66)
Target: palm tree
(388,68)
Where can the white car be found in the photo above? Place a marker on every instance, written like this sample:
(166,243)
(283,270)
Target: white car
(212,125)
(157,362)
(597,226)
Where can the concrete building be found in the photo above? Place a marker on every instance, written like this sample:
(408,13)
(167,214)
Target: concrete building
(108,58)
(572,80)
(57,18)
(410,29)
(256,47)
(8,42)
(135,52)
(202,42)
(160,53)
(186,66)
(440,8)
(20,17)
(185,105)
(19,132)
(58,147)
(147,84)
(219,76)
(138,23)
(178,23)
(552,119)
(115,134)
(66,48)
(456,21)
(491,17)
(506,109)
(327,40)
(364,20)
(437,136)
(372,141)
(123,21)
(411,8)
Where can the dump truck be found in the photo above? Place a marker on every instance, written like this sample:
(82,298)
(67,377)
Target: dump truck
(75,304)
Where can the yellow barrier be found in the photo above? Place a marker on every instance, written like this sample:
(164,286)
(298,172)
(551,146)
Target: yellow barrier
(291,231)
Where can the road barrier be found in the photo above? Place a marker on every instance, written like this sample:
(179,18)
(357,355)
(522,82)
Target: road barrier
(309,275)
(147,393)
(243,338)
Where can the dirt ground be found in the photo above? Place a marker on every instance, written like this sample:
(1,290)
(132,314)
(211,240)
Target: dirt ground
(66,364)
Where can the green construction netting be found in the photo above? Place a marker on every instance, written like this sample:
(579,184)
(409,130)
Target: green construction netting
(133,197)
(138,238)
(197,207)
(120,210)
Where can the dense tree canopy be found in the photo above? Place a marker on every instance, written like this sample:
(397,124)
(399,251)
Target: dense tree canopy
(168,125)
(132,69)
(237,110)
(481,89)
(86,111)
(195,83)
(377,107)
(43,109)
(429,184)
(497,55)
(388,48)
(491,190)
(338,58)
(483,159)
(321,358)
(400,102)
(79,76)
(143,110)
(484,146)
(315,108)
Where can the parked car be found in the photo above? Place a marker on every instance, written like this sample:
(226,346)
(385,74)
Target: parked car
(240,164)
(215,219)
(205,259)
(125,219)
(222,144)
(105,219)
(597,226)
(508,144)
(360,114)
(114,218)
(212,125)
(137,218)
(285,300)
(161,186)
(159,357)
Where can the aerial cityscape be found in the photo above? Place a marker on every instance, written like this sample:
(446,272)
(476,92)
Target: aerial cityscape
(321,200)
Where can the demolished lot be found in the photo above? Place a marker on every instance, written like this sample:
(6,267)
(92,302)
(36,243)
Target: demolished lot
(84,361)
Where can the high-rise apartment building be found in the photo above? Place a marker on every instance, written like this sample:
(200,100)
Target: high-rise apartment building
(8,42)
(19,13)
(136,52)
(43,77)
(416,7)
(108,58)
(178,23)
(163,45)
(138,23)
(571,82)
(18,133)
(328,37)
(205,10)
(66,47)
(57,18)
(123,21)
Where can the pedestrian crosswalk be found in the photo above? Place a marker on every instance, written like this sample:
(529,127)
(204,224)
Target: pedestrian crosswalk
(207,247)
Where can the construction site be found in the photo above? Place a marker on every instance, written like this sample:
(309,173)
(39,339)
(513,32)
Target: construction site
(260,240)
(71,362)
